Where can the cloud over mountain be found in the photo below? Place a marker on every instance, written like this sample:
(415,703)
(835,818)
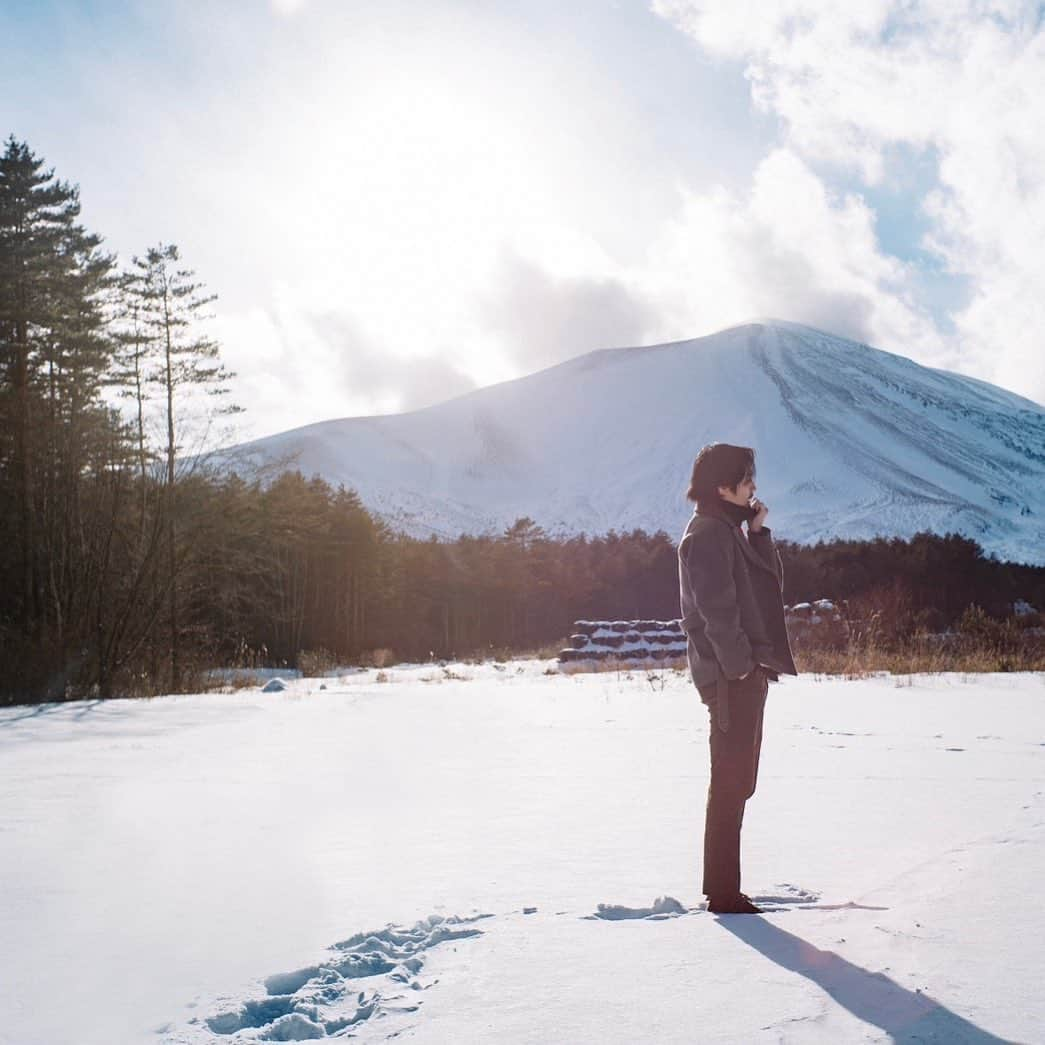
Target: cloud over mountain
(861,88)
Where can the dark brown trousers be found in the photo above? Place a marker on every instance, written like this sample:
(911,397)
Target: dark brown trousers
(734,774)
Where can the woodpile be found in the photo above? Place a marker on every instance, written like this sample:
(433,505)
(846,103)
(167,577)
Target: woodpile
(642,643)
(660,643)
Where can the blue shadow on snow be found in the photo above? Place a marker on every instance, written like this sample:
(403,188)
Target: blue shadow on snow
(906,1016)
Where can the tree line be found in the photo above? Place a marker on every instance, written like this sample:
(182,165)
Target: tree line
(129,567)
(92,561)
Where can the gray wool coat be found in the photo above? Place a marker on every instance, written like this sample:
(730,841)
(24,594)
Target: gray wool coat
(730,588)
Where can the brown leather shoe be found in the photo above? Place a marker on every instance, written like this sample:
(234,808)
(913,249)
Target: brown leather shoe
(739,904)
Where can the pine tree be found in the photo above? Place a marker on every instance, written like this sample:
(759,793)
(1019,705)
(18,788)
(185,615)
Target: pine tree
(53,354)
(171,309)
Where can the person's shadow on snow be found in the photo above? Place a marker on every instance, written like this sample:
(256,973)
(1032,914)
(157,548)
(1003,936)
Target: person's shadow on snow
(906,1016)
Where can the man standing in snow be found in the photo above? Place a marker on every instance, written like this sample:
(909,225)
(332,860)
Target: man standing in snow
(730,586)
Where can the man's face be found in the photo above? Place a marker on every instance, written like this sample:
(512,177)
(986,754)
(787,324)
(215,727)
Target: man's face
(741,495)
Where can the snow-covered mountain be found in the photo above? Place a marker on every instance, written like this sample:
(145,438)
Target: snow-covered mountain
(850,441)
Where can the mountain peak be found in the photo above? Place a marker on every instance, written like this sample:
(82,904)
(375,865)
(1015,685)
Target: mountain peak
(851,441)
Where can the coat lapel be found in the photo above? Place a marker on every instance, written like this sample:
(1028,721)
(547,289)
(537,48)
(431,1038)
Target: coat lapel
(752,556)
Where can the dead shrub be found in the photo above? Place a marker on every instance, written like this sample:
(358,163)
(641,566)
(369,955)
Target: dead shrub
(377,658)
(314,663)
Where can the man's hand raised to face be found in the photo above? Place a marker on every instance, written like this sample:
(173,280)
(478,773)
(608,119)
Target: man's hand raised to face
(761,511)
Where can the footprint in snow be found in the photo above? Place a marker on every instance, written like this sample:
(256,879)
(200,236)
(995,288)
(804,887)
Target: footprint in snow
(668,907)
(325,999)
(322,1000)
(786,893)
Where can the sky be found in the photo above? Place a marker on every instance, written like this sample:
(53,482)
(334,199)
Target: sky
(397,201)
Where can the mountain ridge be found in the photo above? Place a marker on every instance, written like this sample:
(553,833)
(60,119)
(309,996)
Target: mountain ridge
(851,441)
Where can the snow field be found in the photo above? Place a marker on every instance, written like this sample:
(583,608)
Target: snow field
(170,867)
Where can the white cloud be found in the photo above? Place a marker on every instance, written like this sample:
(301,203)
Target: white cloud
(392,167)
(542,320)
(964,79)
(295,366)
(791,249)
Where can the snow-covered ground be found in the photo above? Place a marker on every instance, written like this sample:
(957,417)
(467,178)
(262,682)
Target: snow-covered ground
(425,857)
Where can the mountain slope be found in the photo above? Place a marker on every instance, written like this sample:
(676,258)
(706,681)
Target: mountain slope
(851,441)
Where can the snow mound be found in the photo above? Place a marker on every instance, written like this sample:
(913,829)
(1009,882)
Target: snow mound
(662,907)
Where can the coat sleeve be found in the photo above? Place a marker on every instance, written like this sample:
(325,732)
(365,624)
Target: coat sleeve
(709,563)
(763,544)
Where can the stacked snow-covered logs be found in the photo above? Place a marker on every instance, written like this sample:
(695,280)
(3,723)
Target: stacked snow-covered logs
(636,641)
(654,642)
(819,620)
(818,612)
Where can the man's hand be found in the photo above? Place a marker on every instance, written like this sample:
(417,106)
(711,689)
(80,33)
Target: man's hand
(761,511)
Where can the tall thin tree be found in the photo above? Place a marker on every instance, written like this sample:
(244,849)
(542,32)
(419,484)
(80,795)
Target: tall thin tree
(172,307)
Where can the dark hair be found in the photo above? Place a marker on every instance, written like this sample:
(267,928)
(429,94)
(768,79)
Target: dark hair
(720,464)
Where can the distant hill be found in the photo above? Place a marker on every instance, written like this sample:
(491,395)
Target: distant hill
(851,442)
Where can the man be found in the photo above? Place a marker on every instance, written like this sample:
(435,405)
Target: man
(730,586)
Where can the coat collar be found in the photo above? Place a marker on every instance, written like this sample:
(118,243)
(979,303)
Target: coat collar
(752,556)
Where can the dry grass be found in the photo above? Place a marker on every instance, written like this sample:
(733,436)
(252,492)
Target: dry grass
(853,650)
(316,663)
(377,658)
(445,674)
(504,654)
(925,655)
